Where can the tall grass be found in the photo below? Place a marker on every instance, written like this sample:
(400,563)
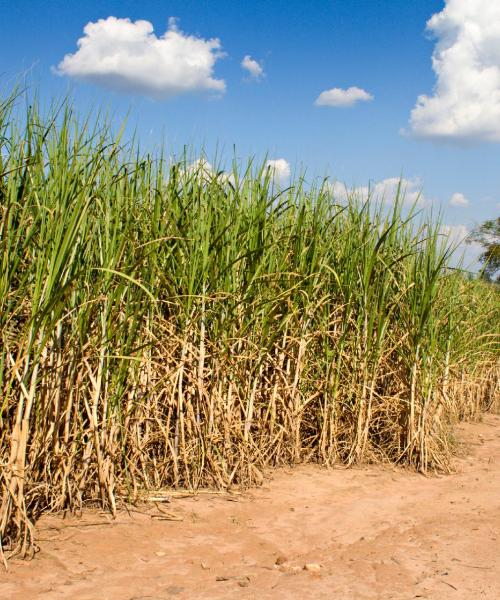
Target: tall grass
(168,326)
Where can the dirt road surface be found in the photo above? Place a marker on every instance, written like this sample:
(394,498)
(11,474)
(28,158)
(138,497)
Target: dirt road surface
(365,533)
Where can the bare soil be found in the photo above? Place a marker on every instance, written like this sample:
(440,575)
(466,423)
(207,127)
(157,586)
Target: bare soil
(374,532)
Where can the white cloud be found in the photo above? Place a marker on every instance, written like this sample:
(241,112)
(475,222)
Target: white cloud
(457,234)
(280,169)
(458,199)
(201,167)
(127,56)
(253,67)
(385,190)
(466,60)
(342,98)
(205,171)
(466,254)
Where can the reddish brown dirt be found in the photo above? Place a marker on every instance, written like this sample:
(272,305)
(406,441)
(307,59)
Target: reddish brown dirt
(375,532)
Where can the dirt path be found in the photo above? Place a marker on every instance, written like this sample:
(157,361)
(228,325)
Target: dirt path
(375,532)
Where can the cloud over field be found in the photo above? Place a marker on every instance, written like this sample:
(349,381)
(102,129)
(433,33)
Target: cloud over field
(205,172)
(280,169)
(338,97)
(465,104)
(458,199)
(253,67)
(385,190)
(457,234)
(466,254)
(127,56)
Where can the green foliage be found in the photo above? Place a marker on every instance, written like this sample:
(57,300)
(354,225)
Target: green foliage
(168,325)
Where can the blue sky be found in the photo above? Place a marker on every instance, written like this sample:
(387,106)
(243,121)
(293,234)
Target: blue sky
(452,145)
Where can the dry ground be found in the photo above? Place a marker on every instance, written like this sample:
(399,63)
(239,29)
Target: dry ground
(375,532)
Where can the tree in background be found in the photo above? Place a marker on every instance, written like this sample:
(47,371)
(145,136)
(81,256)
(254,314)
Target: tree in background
(488,235)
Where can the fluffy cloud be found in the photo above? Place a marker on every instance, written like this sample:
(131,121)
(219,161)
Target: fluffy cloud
(466,60)
(280,169)
(127,56)
(342,98)
(466,253)
(457,234)
(205,171)
(201,167)
(385,190)
(458,199)
(253,67)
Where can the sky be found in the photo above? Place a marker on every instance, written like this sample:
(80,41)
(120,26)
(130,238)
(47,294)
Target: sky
(362,91)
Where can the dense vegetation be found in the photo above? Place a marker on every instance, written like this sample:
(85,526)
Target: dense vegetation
(163,325)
